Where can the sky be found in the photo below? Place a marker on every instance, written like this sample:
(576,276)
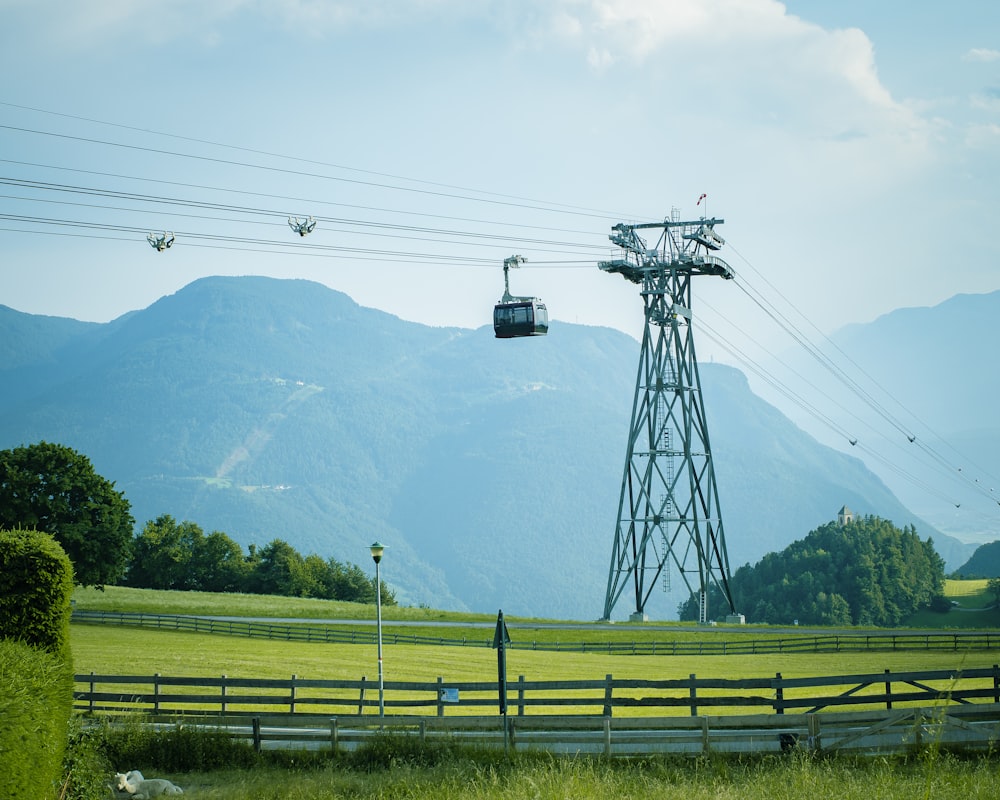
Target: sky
(852,149)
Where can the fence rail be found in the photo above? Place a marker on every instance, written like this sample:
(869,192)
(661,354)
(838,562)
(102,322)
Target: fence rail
(610,697)
(703,646)
(969,728)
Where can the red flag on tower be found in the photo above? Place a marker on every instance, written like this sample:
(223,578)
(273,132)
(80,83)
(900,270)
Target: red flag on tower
(703,196)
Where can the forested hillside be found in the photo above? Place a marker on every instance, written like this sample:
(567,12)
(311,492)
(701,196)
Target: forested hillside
(268,409)
(865,572)
(984,563)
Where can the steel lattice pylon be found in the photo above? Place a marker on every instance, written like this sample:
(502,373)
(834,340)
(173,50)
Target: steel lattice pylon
(669,507)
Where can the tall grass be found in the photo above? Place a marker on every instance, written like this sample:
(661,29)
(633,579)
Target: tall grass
(552,778)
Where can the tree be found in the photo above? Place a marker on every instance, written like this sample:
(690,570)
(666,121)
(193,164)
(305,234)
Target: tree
(993,587)
(281,570)
(162,555)
(218,565)
(867,573)
(54,489)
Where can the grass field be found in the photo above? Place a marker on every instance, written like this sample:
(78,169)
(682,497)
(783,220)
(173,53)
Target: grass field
(937,778)
(114,650)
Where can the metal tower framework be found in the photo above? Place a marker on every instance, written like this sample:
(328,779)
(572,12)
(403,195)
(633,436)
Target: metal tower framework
(669,507)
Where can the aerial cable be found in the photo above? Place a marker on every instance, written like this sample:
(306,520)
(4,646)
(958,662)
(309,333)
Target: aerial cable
(282,247)
(461,240)
(269,154)
(299,173)
(776,384)
(367,228)
(850,382)
(910,437)
(306,201)
(796,398)
(820,357)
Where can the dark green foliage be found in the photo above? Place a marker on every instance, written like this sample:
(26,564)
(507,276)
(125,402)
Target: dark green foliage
(389,749)
(55,489)
(993,587)
(939,604)
(172,555)
(86,769)
(36,587)
(984,563)
(36,697)
(131,745)
(867,572)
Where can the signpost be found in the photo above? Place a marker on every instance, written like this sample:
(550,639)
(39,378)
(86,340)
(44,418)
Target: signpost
(500,641)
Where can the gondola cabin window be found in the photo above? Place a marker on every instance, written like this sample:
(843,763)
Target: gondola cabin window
(525,318)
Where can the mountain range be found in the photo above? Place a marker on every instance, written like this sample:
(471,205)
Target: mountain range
(491,469)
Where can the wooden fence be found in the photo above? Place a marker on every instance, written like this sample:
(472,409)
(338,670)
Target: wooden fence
(610,697)
(714,644)
(863,713)
(969,728)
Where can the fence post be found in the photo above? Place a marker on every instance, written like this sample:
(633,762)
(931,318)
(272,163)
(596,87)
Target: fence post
(256,733)
(607,737)
(334,736)
(291,696)
(608,706)
(779,697)
(815,734)
(996,683)
(222,686)
(440,702)
(704,736)
(520,695)
(361,697)
(888,691)
(93,683)
(156,693)
(693,693)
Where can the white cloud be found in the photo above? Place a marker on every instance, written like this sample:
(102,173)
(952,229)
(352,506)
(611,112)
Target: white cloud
(989,101)
(979,137)
(982,54)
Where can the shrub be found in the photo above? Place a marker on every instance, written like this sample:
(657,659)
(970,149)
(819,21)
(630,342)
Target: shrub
(36,587)
(389,749)
(86,769)
(36,697)
(133,745)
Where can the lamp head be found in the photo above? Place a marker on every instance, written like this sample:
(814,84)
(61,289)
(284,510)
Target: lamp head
(377,549)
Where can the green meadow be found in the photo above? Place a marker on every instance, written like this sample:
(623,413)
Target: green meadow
(106,649)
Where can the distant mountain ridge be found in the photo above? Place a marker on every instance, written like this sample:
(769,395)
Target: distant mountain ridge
(933,371)
(282,409)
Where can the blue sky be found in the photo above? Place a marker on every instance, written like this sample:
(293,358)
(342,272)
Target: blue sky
(849,146)
(852,147)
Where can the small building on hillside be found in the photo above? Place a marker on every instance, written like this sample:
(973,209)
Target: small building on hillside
(845,516)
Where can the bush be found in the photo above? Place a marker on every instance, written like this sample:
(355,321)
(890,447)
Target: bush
(86,769)
(178,749)
(36,588)
(36,698)
(940,604)
(389,749)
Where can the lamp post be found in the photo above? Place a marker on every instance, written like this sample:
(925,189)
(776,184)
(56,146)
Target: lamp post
(377,550)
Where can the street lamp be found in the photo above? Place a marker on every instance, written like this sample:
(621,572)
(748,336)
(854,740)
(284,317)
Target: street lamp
(377,550)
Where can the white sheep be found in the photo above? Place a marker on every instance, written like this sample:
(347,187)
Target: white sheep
(144,789)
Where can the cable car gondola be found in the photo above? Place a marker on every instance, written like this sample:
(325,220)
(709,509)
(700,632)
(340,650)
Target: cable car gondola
(518,316)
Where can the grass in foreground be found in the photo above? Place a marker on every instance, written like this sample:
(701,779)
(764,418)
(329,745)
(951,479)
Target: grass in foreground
(392,766)
(788,778)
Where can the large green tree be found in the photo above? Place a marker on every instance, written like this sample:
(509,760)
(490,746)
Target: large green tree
(53,488)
